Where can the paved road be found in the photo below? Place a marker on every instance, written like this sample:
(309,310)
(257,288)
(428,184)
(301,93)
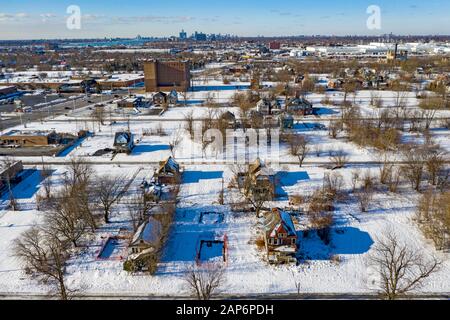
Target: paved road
(64,161)
(47,112)
(303,296)
(141,118)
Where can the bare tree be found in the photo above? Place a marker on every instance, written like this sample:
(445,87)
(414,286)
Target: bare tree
(137,207)
(205,281)
(296,283)
(64,220)
(386,171)
(428,116)
(79,181)
(243,182)
(99,115)
(366,191)
(433,217)
(364,197)
(400,268)
(318,149)
(348,88)
(334,128)
(78,172)
(434,165)
(356,174)
(184,95)
(189,118)
(333,184)
(338,158)
(221,198)
(242,101)
(44,256)
(109,190)
(47,182)
(7,164)
(298,147)
(413,169)
(175,142)
(320,213)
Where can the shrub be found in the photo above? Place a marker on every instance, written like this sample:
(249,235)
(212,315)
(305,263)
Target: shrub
(260,244)
(433,217)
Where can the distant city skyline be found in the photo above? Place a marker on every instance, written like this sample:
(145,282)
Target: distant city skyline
(46,19)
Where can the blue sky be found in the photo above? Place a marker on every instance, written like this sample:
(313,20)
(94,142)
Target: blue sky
(26,19)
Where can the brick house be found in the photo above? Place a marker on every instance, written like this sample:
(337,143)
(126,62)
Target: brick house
(299,106)
(280,237)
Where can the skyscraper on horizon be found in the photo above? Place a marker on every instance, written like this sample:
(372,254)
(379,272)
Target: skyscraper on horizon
(183,35)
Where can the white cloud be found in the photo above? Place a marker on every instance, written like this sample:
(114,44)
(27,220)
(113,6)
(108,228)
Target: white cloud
(92,17)
(159,19)
(47,16)
(13,16)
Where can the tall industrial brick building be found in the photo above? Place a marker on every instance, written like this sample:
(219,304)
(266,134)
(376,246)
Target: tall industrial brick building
(167,75)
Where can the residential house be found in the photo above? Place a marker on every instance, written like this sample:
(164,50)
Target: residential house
(172,97)
(255,120)
(160,98)
(146,237)
(280,237)
(299,106)
(145,243)
(261,181)
(286,121)
(152,191)
(299,78)
(9,173)
(268,107)
(132,103)
(335,84)
(229,119)
(6,91)
(168,172)
(124,142)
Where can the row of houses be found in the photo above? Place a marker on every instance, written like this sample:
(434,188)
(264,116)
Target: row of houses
(159,99)
(147,238)
(280,236)
(270,113)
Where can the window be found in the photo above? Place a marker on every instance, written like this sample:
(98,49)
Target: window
(293,241)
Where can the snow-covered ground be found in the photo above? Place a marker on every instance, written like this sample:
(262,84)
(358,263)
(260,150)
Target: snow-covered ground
(353,237)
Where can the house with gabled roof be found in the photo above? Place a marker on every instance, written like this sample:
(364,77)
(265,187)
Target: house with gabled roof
(147,237)
(124,142)
(159,98)
(299,106)
(168,172)
(261,181)
(229,119)
(144,246)
(280,237)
